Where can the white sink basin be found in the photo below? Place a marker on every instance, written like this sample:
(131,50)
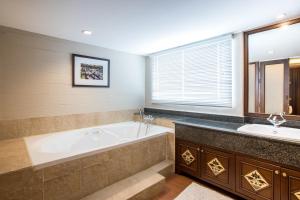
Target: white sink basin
(268,131)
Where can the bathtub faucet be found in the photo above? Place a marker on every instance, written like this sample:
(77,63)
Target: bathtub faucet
(141,114)
(148,119)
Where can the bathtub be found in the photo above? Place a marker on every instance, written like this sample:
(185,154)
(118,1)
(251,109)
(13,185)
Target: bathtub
(53,148)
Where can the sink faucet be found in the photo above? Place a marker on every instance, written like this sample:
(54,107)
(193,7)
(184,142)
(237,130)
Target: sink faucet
(275,119)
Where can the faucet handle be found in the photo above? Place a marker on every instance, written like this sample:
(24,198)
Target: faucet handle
(282,114)
(151,118)
(148,118)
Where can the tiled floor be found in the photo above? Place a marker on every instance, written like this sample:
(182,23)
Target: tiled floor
(176,184)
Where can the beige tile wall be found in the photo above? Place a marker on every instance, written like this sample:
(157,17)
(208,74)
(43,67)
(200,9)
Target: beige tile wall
(78,178)
(34,126)
(36,77)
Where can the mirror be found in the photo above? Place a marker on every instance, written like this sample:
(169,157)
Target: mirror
(273,70)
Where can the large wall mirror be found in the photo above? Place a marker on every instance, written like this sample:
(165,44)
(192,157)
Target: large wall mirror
(272,69)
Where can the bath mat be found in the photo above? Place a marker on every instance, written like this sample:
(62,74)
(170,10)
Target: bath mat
(199,192)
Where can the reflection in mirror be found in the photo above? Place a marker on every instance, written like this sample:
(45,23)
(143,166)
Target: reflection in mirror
(274,71)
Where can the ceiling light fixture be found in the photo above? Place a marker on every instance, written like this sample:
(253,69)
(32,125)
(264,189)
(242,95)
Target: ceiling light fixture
(281,16)
(86,32)
(271,51)
(284,26)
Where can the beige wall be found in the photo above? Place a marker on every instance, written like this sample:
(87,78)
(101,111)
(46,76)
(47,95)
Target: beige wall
(36,79)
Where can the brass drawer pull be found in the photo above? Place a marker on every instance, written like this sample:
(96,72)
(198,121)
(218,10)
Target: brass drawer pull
(202,150)
(276,172)
(284,174)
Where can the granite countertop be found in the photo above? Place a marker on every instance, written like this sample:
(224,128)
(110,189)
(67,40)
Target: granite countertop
(230,127)
(222,126)
(226,126)
(211,124)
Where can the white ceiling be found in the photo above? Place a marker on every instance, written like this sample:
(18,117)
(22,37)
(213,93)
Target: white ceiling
(275,44)
(141,26)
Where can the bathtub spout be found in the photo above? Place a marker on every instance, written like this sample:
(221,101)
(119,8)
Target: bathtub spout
(141,115)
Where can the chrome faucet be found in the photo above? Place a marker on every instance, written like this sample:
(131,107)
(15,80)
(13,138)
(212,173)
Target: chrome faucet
(145,118)
(275,119)
(148,119)
(141,114)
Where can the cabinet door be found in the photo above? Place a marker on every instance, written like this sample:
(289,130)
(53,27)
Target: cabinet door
(218,167)
(187,157)
(257,180)
(290,184)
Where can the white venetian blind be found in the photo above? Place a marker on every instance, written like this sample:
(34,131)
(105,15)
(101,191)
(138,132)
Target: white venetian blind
(197,74)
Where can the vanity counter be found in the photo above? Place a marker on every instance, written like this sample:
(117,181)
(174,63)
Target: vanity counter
(283,152)
(222,133)
(230,127)
(224,124)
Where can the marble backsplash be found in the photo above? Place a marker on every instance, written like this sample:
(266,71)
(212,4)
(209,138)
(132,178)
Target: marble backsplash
(41,125)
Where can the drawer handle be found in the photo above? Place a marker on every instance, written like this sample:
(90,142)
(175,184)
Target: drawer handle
(276,172)
(198,149)
(202,150)
(284,174)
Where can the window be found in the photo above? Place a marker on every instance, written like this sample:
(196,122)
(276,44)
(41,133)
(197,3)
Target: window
(198,74)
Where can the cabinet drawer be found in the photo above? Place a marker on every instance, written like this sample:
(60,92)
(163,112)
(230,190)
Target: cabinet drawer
(290,184)
(187,157)
(257,180)
(218,167)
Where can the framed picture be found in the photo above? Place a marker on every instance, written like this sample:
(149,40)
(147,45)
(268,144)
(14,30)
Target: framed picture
(90,71)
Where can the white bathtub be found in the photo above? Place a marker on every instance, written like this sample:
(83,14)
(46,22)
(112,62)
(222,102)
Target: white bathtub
(52,148)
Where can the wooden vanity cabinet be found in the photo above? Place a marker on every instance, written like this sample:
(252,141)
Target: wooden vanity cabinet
(187,158)
(218,167)
(290,184)
(257,180)
(242,175)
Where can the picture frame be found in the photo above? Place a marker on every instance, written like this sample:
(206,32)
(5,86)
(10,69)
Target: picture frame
(90,71)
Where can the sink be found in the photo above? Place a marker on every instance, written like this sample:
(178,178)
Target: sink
(268,131)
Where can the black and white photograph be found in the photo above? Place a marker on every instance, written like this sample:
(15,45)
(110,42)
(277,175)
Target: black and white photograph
(90,71)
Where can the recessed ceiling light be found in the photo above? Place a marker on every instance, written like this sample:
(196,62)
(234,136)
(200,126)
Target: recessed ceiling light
(271,51)
(86,32)
(284,26)
(281,16)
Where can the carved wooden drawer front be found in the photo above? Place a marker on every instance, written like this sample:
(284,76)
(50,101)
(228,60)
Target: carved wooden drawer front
(257,180)
(187,157)
(290,184)
(218,167)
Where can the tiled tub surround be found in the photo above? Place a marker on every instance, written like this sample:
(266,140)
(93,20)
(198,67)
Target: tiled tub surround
(166,122)
(82,176)
(34,126)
